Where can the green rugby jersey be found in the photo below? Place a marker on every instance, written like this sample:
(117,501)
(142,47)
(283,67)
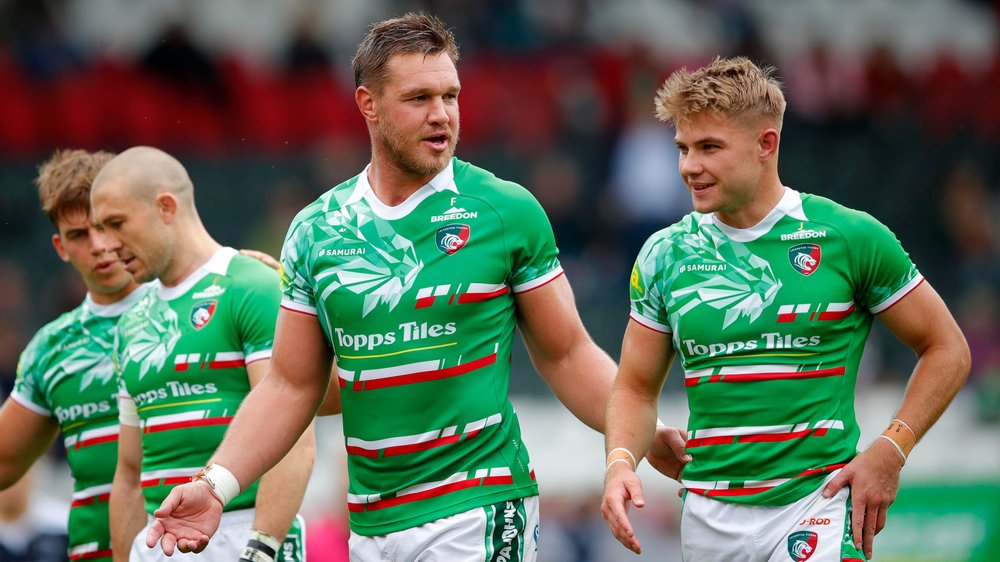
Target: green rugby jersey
(770,323)
(65,373)
(417,302)
(181,354)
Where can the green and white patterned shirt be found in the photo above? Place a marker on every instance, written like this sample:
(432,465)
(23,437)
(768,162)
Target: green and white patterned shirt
(181,355)
(65,373)
(770,323)
(417,302)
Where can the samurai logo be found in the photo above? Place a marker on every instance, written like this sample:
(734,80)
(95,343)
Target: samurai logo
(201,313)
(805,258)
(802,545)
(452,238)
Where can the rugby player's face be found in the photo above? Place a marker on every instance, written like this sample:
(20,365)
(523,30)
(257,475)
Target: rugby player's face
(81,244)
(720,164)
(134,233)
(418,112)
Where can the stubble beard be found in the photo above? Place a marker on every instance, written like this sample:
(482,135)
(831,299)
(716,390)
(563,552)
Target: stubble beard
(408,160)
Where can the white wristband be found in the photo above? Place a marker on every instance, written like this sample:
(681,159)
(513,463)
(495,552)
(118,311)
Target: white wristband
(128,412)
(629,453)
(894,444)
(222,482)
(619,459)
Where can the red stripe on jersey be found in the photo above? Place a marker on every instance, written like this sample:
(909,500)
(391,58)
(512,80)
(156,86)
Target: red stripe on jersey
(836,315)
(703,442)
(181,366)
(417,496)
(790,317)
(425,302)
(230,364)
(188,423)
(466,298)
(96,441)
(426,376)
(91,500)
(774,437)
(759,489)
(758,377)
(106,553)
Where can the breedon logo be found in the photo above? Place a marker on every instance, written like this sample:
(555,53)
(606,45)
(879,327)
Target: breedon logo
(452,238)
(805,258)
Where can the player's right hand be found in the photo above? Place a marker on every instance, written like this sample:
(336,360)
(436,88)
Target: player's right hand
(186,519)
(621,487)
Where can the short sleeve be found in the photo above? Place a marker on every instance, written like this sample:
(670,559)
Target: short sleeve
(885,271)
(29,390)
(534,255)
(257,308)
(645,287)
(296,282)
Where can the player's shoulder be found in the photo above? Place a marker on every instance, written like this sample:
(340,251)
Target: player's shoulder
(473,181)
(836,215)
(331,201)
(246,271)
(51,337)
(677,233)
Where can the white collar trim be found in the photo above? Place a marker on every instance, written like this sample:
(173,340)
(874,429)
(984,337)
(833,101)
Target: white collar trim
(116,308)
(217,264)
(790,205)
(444,181)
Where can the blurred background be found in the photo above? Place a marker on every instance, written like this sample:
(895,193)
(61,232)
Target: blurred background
(893,109)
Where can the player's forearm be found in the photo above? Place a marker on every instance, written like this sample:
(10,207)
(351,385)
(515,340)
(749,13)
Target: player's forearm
(630,419)
(24,437)
(282,488)
(582,381)
(940,373)
(267,425)
(126,512)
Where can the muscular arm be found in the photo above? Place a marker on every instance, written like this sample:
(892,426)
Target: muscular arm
(24,437)
(282,488)
(578,371)
(921,321)
(127,512)
(631,421)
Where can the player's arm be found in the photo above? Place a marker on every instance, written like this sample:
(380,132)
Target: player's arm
(24,437)
(268,423)
(331,402)
(920,320)
(578,371)
(126,511)
(631,421)
(281,489)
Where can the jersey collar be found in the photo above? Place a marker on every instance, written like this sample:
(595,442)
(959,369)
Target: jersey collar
(790,205)
(444,181)
(114,309)
(218,264)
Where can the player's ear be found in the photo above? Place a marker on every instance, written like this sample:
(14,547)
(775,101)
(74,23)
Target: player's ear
(58,245)
(768,144)
(166,206)
(365,99)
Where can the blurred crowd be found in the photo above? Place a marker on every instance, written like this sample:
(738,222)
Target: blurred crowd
(892,110)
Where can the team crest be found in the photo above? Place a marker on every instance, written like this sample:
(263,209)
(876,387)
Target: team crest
(452,238)
(202,313)
(805,258)
(802,545)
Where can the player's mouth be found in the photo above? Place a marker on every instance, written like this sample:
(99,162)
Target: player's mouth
(698,187)
(438,143)
(105,266)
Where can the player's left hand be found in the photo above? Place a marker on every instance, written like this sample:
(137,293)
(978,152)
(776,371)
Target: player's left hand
(873,477)
(186,519)
(666,453)
(265,258)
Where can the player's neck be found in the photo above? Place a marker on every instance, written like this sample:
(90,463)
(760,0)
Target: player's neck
(112,298)
(193,249)
(393,185)
(766,198)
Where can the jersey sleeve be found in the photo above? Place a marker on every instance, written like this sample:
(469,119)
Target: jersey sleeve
(885,271)
(534,255)
(257,308)
(645,285)
(29,390)
(296,282)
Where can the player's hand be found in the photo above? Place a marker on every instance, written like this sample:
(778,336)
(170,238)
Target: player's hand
(186,519)
(873,477)
(621,487)
(666,453)
(265,258)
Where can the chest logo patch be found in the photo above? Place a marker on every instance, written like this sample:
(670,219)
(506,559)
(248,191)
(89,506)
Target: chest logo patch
(805,258)
(802,545)
(452,238)
(202,313)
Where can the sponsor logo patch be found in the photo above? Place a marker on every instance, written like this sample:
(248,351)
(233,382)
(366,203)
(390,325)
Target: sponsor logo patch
(805,258)
(455,213)
(802,545)
(452,238)
(202,313)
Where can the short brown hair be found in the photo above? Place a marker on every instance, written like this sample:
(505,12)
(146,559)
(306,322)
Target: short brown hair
(410,33)
(64,181)
(734,87)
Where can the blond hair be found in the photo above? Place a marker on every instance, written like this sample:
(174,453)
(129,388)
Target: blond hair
(64,181)
(734,88)
(410,33)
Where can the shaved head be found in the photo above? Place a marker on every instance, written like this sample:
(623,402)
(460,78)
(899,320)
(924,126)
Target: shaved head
(143,172)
